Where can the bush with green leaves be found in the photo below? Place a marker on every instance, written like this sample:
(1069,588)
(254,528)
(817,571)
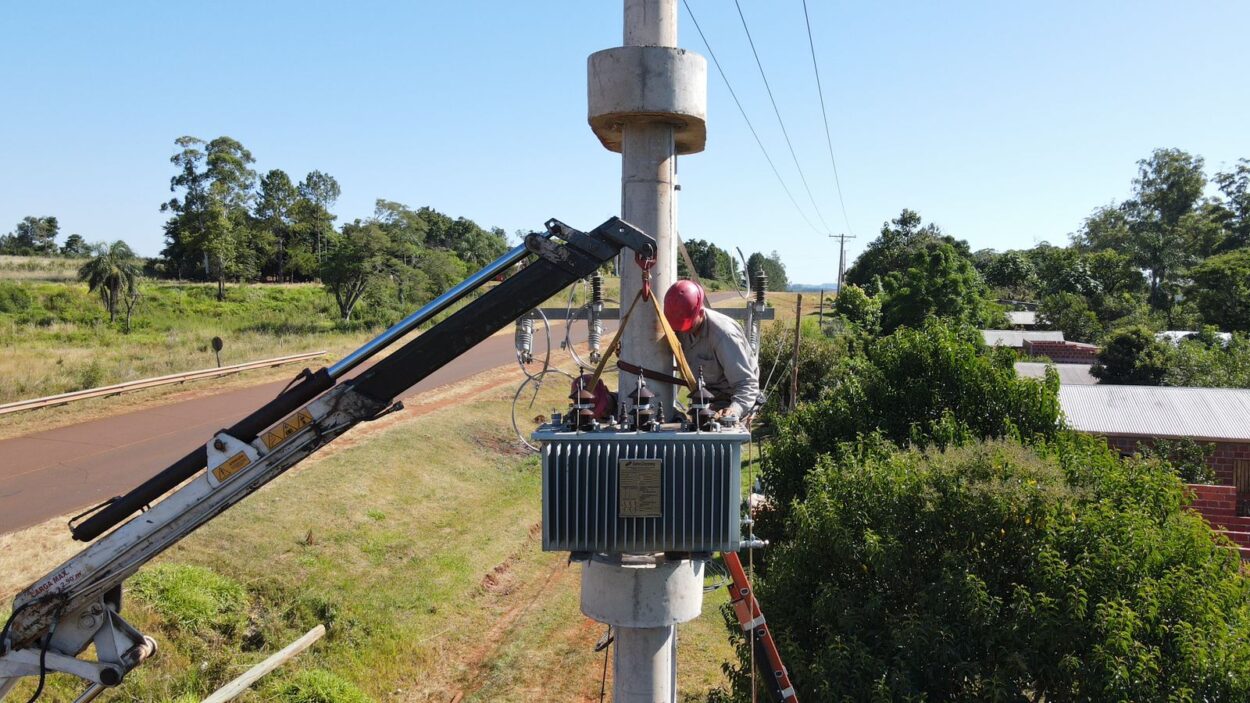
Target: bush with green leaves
(1132,356)
(996,572)
(938,384)
(1209,362)
(854,305)
(1187,458)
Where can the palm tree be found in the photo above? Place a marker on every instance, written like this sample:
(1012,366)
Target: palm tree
(113,269)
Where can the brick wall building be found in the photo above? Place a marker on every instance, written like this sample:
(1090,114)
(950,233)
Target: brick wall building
(1129,415)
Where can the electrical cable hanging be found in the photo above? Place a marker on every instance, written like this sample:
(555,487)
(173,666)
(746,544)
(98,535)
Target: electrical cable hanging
(825,116)
(743,112)
(777,112)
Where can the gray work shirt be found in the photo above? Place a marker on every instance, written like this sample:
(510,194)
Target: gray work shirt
(730,373)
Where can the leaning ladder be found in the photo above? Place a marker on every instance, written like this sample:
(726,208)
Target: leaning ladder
(775,677)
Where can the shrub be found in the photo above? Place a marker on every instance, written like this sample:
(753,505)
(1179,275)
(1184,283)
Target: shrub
(1133,357)
(14,299)
(1187,458)
(994,572)
(939,384)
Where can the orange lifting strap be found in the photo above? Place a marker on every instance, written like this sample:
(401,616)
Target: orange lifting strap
(776,678)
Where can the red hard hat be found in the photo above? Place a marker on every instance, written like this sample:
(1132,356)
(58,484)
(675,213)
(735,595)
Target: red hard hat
(683,305)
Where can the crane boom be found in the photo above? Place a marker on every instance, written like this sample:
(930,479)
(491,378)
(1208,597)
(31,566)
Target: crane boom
(78,603)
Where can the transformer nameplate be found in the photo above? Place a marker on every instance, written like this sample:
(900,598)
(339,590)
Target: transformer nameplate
(639,484)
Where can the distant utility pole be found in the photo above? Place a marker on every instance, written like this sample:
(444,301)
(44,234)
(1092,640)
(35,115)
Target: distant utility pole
(841,255)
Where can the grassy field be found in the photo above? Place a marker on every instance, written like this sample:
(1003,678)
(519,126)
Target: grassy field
(416,541)
(55,337)
(38,268)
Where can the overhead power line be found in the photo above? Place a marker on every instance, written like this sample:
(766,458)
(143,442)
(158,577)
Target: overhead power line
(825,115)
(777,112)
(743,112)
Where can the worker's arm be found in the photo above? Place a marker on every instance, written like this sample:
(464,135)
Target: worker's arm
(740,368)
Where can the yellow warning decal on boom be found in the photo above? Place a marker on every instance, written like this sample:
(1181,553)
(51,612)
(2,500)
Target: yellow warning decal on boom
(231,466)
(289,426)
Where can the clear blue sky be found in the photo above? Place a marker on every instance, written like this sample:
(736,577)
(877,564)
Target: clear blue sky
(1004,122)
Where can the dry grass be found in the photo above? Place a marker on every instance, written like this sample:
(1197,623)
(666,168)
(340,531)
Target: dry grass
(38,268)
(418,547)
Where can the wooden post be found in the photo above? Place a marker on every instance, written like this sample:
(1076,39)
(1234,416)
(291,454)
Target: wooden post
(798,333)
(820,317)
(236,687)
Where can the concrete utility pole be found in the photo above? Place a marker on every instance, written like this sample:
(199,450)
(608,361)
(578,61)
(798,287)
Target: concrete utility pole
(841,255)
(648,101)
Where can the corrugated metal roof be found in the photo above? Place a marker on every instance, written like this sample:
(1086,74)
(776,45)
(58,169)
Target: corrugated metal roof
(1015,338)
(1069,374)
(1159,411)
(1024,318)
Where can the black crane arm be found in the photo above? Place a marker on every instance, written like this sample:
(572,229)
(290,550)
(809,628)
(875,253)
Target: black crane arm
(77,603)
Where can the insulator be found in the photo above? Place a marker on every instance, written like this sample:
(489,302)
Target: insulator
(596,288)
(594,335)
(761,285)
(525,338)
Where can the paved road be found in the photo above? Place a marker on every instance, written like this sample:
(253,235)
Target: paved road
(55,472)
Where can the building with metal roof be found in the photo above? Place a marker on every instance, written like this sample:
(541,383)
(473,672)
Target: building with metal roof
(1211,414)
(1069,374)
(1022,318)
(1128,416)
(1016,338)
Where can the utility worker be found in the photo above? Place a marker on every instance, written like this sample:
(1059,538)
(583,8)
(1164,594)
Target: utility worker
(714,342)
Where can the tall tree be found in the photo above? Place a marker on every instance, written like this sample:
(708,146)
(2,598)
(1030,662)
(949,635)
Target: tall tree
(75,247)
(35,235)
(211,219)
(937,283)
(772,267)
(1235,185)
(275,206)
(113,272)
(356,262)
(318,193)
(892,250)
(1221,288)
(1163,228)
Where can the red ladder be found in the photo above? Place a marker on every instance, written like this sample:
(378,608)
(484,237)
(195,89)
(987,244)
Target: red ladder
(776,679)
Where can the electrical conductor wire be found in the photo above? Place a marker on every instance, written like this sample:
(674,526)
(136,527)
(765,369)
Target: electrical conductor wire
(777,111)
(769,159)
(825,116)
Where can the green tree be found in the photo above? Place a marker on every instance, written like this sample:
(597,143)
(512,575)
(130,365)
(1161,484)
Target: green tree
(1070,313)
(1013,272)
(211,219)
(892,251)
(34,236)
(75,247)
(938,282)
(1221,289)
(113,272)
(1235,185)
(1132,357)
(938,384)
(993,572)
(275,213)
(1162,218)
(772,267)
(1209,362)
(856,307)
(356,263)
(318,192)
(1106,228)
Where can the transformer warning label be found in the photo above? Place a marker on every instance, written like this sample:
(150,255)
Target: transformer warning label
(231,466)
(639,488)
(286,428)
